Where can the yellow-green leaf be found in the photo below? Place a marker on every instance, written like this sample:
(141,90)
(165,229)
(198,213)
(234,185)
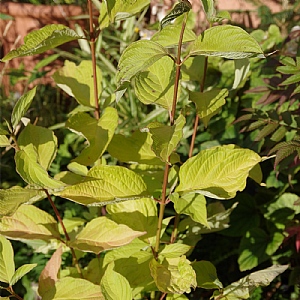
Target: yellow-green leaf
(41,40)
(114,286)
(78,81)
(169,35)
(44,143)
(20,272)
(21,107)
(102,234)
(98,133)
(218,172)
(29,222)
(208,103)
(104,185)
(7,264)
(166,138)
(156,84)
(226,41)
(69,288)
(137,57)
(11,199)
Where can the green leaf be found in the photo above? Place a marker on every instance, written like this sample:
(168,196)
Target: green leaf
(218,172)
(98,133)
(102,234)
(114,286)
(257,246)
(208,103)
(39,41)
(11,199)
(7,264)
(78,81)
(169,36)
(243,288)
(211,15)
(193,205)
(226,41)
(241,71)
(31,171)
(282,210)
(179,9)
(166,138)
(106,185)
(77,168)
(156,84)
(193,68)
(174,251)
(206,275)
(139,215)
(137,57)
(29,222)
(136,148)
(4,141)
(44,143)
(69,288)
(21,107)
(49,275)
(292,79)
(174,275)
(267,130)
(20,272)
(136,270)
(115,10)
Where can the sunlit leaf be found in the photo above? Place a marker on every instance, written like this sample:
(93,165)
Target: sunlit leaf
(243,288)
(78,81)
(98,133)
(135,148)
(179,9)
(29,222)
(137,57)
(4,141)
(69,288)
(11,199)
(115,10)
(31,171)
(156,84)
(241,71)
(49,275)
(21,107)
(174,250)
(208,103)
(20,272)
(218,172)
(226,41)
(139,215)
(39,41)
(173,275)
(169,35)
(166,138)
(257,246)
(7,264)
(102,234)
(104,185)
(115,286)
(44,143)
(193,205)
(193,68)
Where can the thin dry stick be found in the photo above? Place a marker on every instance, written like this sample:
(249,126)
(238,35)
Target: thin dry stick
(65,232)
(172,117)
(93,53)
